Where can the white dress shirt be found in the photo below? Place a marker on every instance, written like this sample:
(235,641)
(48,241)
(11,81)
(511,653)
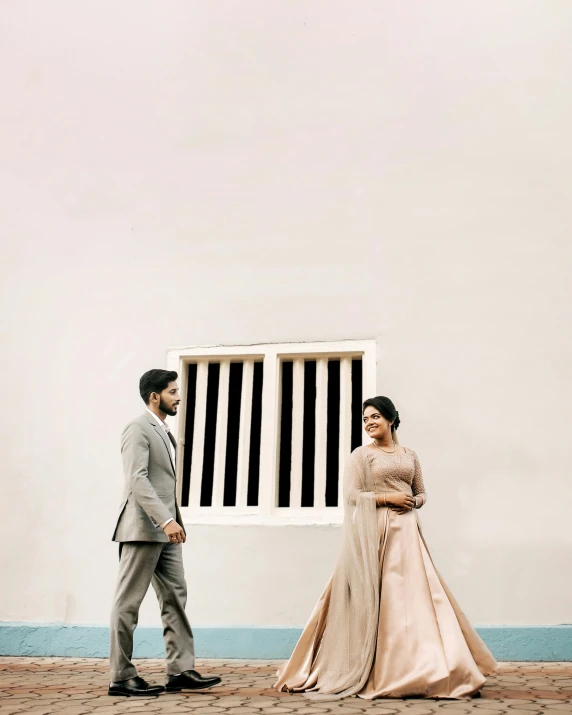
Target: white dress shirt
(159,421)
(173,453)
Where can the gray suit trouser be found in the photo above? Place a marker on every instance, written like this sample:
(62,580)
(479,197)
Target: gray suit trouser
(142,563)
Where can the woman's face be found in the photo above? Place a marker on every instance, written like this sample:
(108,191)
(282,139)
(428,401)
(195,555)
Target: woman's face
(374,423)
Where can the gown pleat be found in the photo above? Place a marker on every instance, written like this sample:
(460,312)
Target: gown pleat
(426,646)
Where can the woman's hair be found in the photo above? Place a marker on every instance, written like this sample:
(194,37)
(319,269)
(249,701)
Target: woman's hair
(386,408)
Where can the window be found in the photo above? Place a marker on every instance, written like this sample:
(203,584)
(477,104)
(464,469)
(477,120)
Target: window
(264,430)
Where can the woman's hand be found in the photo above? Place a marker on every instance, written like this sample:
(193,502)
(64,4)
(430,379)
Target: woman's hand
(400,502)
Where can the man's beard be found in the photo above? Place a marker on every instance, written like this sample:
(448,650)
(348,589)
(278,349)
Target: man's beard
(167,410)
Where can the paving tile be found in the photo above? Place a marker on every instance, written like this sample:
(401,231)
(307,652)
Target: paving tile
(54,686)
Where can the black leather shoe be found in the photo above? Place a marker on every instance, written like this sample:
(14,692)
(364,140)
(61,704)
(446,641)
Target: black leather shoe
(189,680)
(134,686)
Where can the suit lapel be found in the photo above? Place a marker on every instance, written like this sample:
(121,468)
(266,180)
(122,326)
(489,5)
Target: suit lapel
(163,435)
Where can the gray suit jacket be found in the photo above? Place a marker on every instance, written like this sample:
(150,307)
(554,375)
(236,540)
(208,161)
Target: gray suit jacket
(149,497)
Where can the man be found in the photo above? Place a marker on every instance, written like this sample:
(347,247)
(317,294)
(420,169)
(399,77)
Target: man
(150,533)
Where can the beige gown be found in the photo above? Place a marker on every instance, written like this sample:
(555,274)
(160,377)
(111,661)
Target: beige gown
(400,633)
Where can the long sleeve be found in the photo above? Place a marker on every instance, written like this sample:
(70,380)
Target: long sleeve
(417,485)
(135,454)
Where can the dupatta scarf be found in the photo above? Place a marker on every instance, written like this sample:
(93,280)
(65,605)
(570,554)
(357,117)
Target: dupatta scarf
(350,634)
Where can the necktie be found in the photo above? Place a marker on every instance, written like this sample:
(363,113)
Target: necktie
(170,436)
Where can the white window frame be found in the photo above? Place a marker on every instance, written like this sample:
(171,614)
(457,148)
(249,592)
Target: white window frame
(271,354)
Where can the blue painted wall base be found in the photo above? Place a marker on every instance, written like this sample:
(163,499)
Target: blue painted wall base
(520,643)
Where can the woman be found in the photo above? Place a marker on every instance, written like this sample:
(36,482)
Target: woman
(386,625)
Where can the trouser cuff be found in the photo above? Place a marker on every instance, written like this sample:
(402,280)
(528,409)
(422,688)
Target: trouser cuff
(180,666)
(123,675)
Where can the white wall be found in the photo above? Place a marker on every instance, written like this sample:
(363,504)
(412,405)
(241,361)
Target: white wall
(232,172)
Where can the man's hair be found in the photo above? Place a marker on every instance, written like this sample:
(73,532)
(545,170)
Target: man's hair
(155,381)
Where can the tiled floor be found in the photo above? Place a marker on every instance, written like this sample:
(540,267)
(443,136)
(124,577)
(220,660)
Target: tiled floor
(73,687)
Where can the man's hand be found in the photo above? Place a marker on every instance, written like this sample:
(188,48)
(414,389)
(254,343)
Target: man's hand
(175,533)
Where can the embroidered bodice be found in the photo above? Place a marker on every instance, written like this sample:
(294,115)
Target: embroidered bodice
(389,473)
